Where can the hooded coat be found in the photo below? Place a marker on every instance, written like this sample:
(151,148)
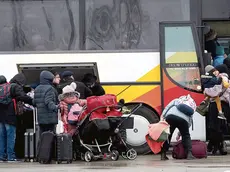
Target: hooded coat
(7,112)
(90,81)
(17,82)
(223,69)
(46,99)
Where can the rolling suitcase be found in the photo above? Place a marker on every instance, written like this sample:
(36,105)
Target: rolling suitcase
(64,147)
(45,148)
(30,136)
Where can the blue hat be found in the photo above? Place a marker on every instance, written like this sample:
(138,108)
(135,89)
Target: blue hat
(66,74)
(219,50)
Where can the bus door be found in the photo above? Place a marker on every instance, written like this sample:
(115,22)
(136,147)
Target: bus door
(180,67)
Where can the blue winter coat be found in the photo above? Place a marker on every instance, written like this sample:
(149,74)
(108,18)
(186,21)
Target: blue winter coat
(218,60)
(46,99)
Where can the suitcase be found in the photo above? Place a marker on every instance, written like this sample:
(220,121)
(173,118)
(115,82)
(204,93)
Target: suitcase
(31,138)
(199,150)
(46,145)
(64,147)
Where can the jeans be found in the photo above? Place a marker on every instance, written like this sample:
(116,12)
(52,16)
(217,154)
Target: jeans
(183,127)
(7,141)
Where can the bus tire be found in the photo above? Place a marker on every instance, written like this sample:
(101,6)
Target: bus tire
(152,117)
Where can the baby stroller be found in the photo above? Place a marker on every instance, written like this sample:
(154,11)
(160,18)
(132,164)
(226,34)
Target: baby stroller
(99,130)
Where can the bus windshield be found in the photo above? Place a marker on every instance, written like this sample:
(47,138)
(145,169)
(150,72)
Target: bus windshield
(181,57)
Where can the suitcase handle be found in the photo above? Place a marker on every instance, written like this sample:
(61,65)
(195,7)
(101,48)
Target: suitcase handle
(35,122)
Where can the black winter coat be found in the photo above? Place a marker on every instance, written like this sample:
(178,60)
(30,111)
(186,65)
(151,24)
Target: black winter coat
(210,82)
(7,112)
(97,90)
(46,100)
(81,88)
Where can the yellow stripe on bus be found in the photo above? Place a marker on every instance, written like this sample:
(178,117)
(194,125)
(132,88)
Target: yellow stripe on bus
(130,93)
(152,76)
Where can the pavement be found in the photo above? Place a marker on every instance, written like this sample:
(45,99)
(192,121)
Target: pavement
(148,163)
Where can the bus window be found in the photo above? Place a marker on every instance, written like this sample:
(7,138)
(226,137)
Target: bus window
(180,56)
(39,25)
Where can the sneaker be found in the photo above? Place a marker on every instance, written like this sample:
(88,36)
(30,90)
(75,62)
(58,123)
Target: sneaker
(221,116)
(2,160)
(203,102)
(13,160)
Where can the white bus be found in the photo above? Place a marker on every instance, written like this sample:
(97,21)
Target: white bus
(144,51)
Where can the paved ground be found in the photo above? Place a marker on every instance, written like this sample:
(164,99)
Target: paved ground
(148,163)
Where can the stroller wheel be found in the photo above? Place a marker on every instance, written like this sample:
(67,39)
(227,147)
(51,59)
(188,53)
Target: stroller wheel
(114,155)
(88,156)
(131,154)
(123,154)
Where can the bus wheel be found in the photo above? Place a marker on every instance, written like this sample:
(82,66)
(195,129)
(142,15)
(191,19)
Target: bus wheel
(135,137)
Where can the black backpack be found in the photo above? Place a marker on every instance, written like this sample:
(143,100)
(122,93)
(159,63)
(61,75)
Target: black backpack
(5,97)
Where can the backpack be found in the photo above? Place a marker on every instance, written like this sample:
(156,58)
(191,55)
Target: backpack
(186,105)
(5,97)
(74,110)
(18,105)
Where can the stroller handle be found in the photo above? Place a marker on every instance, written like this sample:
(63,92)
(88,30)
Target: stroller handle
(131,113)
(99,107)
(113,106)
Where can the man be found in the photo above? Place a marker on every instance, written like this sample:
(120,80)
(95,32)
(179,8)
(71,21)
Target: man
(8,120)
(46,101)
(90,81)
(67,79)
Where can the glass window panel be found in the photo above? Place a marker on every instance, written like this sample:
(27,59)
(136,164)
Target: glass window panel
(181,57)
(130,24)
(39,25)
(179,45)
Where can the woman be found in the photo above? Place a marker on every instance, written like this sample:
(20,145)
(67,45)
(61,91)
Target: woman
(180,120)
(217,128)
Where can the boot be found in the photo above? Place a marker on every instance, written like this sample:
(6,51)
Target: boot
(163,155)
(190,156)
(210,147)
(223,148)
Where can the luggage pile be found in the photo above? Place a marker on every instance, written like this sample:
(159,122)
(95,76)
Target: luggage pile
(99,135)
(47,147)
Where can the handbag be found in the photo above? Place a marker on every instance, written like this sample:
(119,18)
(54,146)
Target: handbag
(202,109)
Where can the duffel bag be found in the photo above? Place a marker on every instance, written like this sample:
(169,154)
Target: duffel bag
(106,100)
(199,150)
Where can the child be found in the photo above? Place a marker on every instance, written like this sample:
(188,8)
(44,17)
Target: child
(214,84)
(70,103)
